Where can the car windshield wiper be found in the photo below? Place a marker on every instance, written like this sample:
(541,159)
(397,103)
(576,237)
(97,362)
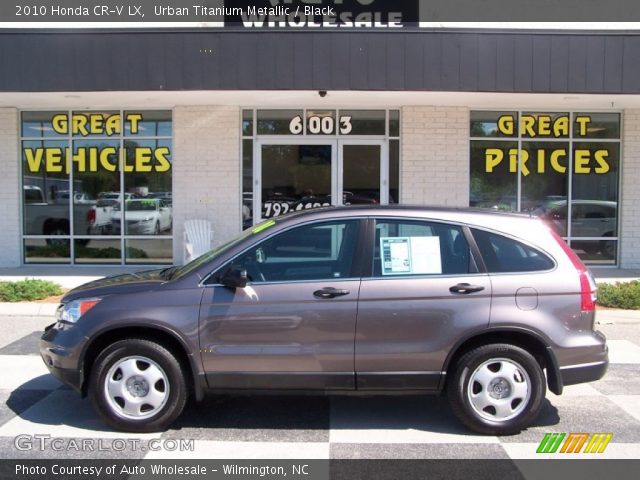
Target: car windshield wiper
(167,273)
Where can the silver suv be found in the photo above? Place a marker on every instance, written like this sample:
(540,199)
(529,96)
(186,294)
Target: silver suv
(366,299)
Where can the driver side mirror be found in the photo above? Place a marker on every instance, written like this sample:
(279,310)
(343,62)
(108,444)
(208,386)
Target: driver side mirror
(234,277)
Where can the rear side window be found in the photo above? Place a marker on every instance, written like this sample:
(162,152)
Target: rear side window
(502,254)
(419,248)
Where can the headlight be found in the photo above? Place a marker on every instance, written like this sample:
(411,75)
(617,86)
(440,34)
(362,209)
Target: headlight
(72,311)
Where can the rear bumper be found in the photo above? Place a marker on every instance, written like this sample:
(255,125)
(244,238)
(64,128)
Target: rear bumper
(586,372)
(587,361)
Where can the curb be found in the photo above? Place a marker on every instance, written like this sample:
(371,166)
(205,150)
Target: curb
(614,315)
(28,309)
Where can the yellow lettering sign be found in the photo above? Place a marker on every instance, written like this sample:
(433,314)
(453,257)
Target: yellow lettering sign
(581,161)
(539,160)
(583,124)
(493,158)
(601,159)
(536,125)
(95,123)
(506,125)
(94,159)
(555,160)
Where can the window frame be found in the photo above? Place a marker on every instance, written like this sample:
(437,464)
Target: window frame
(69,138)
(248,184)
(476,267)
(573,138)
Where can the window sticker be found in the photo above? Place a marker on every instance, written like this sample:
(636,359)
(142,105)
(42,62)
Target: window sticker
(410,255)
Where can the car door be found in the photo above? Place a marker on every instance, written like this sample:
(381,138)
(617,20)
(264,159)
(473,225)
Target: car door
(423,294)
(293,325)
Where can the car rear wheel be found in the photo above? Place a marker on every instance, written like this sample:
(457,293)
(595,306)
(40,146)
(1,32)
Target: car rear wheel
(138,386)
(497,389)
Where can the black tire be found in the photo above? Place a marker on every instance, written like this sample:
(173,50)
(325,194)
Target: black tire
(608,248)
(524,407)
(138,350)
(54,229)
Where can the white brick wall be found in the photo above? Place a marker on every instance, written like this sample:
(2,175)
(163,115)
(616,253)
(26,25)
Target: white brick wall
(206,171)
(630,194)
(10,255)
(435,156)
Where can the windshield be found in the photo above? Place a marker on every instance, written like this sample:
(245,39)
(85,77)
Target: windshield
(141,205)
(211,254)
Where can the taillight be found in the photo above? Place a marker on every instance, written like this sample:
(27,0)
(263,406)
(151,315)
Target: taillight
(588,288)
(91,215)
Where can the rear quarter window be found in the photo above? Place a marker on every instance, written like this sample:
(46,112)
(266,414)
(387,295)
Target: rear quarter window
(502,254)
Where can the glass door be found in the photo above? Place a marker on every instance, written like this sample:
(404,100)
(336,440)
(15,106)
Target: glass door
(318,173)
(363,172)
(293,176)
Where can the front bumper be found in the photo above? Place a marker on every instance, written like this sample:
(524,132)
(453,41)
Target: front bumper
(59,354)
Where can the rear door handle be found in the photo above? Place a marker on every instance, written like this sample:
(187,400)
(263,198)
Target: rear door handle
(466,288)
(330,292)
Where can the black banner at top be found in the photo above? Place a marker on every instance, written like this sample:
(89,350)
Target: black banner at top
(319,14)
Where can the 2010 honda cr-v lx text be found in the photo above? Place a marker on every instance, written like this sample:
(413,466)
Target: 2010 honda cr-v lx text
(354,300)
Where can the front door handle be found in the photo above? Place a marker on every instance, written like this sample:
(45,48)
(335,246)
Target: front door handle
(466,288)
(330,292)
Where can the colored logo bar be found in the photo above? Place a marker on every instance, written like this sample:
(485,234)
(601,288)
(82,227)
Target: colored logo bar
(574,442)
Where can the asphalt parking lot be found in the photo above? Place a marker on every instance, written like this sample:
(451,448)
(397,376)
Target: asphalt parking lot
(40,418)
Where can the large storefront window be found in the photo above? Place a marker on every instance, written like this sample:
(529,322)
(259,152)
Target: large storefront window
(561,166)
(298,159)
(97,187)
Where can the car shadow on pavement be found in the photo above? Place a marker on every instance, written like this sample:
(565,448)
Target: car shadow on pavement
(45,410)
(429,414)
(549,415)
(225,417)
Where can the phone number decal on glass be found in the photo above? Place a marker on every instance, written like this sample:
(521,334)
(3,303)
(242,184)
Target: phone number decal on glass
(275,209)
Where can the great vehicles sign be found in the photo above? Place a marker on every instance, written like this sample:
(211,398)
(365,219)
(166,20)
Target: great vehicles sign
(58,159)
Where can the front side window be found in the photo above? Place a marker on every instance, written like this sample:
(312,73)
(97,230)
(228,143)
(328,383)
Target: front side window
(322,251)
(419,248)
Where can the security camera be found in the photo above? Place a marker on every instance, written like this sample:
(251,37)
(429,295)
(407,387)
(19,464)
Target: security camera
(322,93)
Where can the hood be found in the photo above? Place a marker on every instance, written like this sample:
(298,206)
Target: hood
(129,282)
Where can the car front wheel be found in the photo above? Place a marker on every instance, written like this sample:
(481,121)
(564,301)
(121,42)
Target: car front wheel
(497,389)
(138,386)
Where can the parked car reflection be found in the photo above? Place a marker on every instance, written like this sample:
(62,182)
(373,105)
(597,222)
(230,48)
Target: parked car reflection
(144,216)
(589,219)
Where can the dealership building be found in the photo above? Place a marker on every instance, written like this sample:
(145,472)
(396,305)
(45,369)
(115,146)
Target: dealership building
(111,139)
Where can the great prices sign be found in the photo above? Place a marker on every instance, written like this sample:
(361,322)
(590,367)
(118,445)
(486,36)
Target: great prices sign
(542,127)
(95,158)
